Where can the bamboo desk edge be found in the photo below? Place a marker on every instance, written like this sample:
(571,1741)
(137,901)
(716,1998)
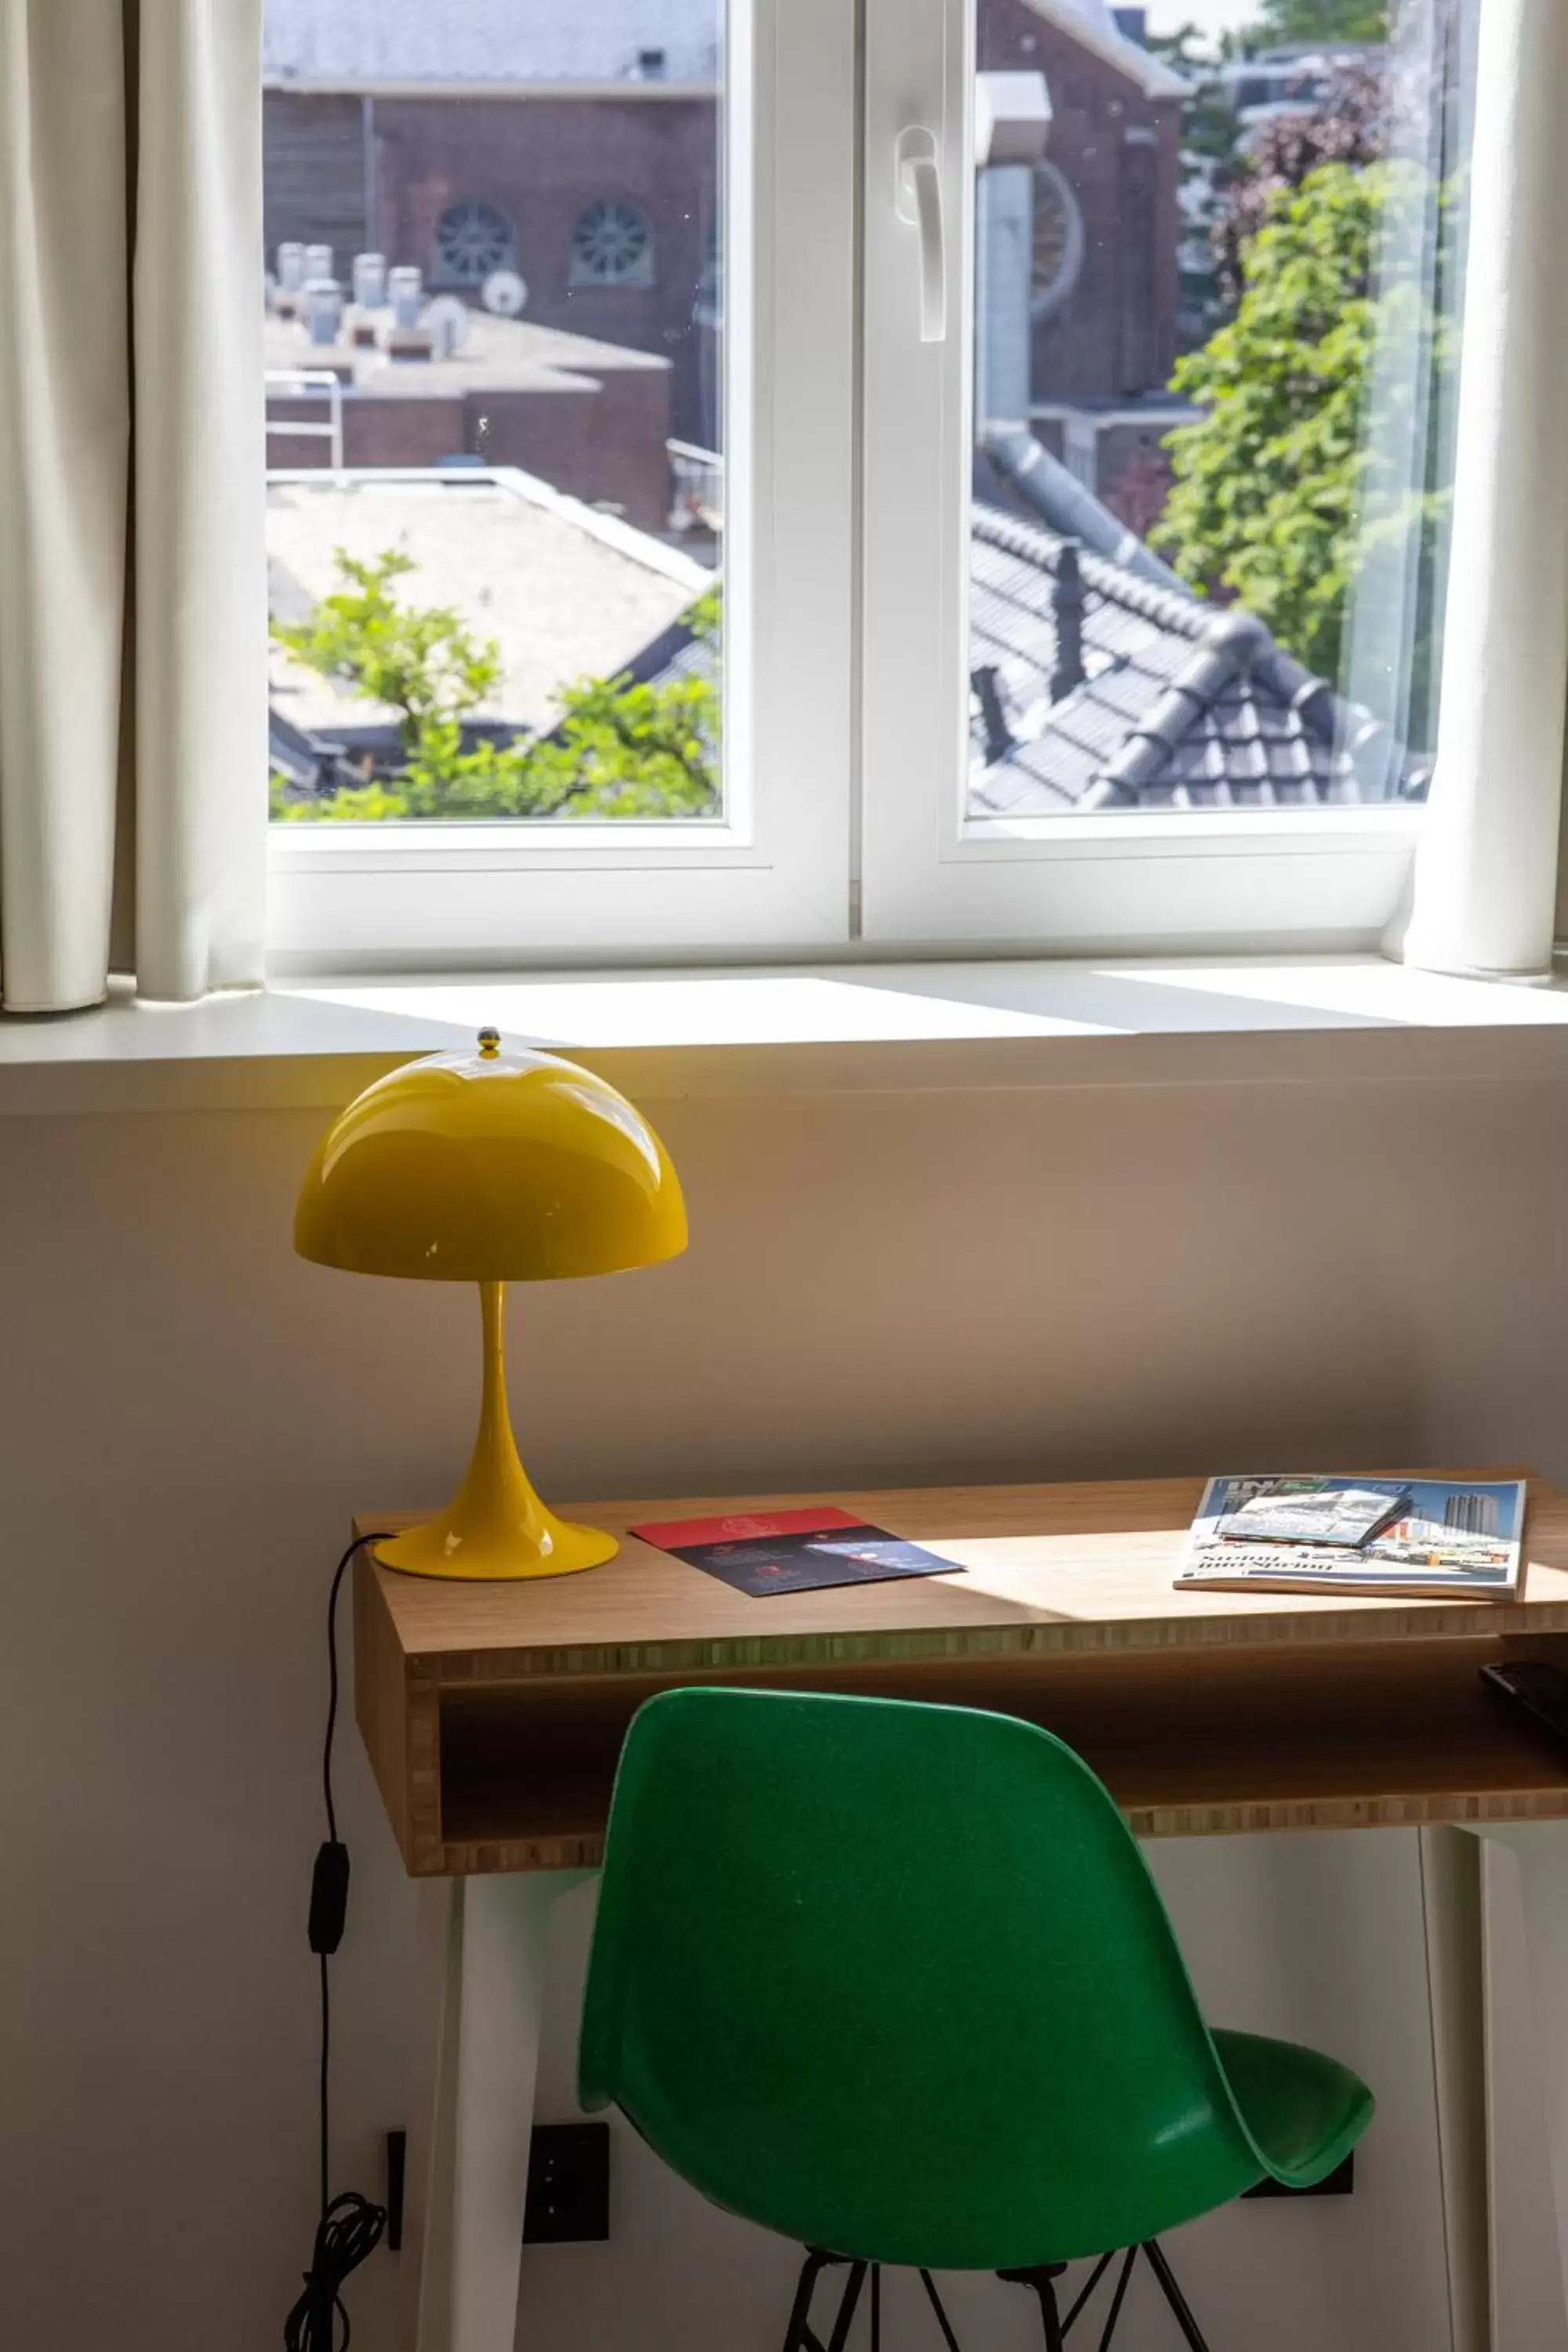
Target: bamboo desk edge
(492,1714)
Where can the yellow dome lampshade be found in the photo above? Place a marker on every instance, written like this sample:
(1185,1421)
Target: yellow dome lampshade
(491,1167)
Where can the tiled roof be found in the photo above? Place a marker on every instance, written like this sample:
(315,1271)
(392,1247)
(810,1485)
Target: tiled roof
(1182,704)
(346,42)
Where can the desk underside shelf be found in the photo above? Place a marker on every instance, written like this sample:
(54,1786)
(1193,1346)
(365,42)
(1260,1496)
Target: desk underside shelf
(494,1715)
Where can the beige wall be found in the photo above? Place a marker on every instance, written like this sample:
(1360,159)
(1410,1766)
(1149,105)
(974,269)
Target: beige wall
(917,1286)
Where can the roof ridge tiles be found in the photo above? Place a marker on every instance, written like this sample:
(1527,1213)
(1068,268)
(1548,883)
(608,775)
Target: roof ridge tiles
(1035,543)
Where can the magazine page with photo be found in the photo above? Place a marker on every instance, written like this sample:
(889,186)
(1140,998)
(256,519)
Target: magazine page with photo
(1343,1533)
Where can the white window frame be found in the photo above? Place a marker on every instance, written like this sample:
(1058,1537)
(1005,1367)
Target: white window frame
(774,873)
(845,737)
(1326,878)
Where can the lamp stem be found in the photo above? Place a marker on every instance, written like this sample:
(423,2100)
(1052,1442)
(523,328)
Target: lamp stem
(495,1526)
(494,1435)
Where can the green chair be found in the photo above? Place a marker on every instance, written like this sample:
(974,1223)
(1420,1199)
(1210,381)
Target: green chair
(894,1982)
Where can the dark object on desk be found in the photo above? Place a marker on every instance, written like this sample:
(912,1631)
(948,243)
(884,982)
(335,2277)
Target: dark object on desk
(793,1551)
(1535,1692)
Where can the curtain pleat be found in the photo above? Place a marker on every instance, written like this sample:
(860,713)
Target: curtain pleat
(1485,876)
(132,566)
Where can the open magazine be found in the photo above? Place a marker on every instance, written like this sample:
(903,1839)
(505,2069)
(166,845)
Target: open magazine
(1331,1532)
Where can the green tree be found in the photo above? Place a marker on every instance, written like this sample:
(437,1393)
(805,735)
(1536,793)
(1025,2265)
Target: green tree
(1282,22)
(1277,488)
(621,748)
(1347,126)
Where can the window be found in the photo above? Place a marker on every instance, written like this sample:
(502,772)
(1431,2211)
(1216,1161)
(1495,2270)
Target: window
(537,642)
(1156,656)
(612,245)
(1014,513)
(473,241)
(1056,245)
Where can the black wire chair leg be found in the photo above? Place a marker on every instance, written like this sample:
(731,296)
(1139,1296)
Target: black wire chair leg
(875,2307)
(1042,2282)
(852,2286)
(800,2337)
(948,2337)
(1174,2295)
(1115,2312)
(1101,2266)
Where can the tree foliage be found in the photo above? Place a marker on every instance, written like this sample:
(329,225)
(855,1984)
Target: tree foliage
(1277,485)
(1347,127)
(621,748)
(1282,23)
(1232,169)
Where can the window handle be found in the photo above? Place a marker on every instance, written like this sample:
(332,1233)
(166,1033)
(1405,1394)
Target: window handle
(918,199)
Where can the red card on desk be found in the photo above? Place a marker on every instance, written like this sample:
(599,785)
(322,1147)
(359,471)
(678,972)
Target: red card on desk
(793,1551)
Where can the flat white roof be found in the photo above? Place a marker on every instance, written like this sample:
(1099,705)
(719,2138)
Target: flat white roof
(498,355)
(565,591)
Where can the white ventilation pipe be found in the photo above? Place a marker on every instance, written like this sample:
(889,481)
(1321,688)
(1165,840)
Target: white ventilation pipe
(291,269)
(406,290)
(370,282)
(323,310)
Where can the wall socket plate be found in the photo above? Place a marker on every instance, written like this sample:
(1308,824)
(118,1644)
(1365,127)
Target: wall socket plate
(568,2185)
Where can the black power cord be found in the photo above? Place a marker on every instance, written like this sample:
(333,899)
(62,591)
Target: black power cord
(351,2226)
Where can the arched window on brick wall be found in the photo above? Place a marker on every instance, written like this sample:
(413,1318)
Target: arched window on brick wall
(473,239)
(612,245)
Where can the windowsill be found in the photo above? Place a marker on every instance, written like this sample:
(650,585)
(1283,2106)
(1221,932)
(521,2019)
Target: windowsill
(879,1027)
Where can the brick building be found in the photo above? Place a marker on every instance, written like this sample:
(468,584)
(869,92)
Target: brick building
(1107,224)
(578,145)
(591,418)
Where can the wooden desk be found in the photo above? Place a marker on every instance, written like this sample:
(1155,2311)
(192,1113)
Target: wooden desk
(493,1716)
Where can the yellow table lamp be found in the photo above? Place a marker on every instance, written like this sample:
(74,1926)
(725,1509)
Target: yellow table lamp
(491,1167)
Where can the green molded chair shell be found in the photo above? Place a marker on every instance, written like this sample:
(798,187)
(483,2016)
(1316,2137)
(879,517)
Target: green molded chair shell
(894,1982)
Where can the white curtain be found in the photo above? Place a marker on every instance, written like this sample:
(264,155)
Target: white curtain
(132,566)
(1486,872)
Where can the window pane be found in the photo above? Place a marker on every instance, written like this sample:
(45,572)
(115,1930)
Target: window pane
(494,236)
(1218,290)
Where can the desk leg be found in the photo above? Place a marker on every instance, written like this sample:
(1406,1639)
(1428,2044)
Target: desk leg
(1451,1904)
(473,2167)
(424,2262)
(1542,1851)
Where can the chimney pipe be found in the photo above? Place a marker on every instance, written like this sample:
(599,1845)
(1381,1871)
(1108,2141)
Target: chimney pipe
(1067,613)
(1044,483)
(370,282)
(405,291)
(999,737)
(323,310)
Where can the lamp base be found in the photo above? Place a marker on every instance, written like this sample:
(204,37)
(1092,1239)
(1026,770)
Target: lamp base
(463,1545)
(495,1529)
